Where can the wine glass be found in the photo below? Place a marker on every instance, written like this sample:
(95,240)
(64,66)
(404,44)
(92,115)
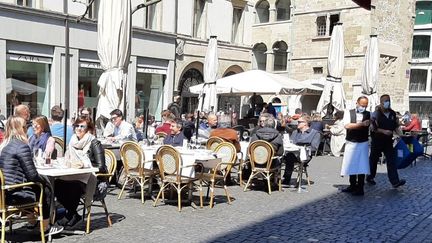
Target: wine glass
(245,136)
(151,139)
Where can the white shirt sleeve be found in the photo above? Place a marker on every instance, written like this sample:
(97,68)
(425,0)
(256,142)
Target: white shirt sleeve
(347,117)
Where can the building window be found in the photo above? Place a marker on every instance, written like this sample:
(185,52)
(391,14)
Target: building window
(88,92)
(262,12)
(423,12)
(26,3)
(149,94)
(418,79)
(280,56)
(423,108)
(28,83)
(326,23)
(237,26)
(421,46)
(318,70)
(321,23)
(260,57)
(283,10)
(189,100)
(154,16)
(199,23)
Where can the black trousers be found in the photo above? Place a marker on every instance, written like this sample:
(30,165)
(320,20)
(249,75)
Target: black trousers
(357,181)
(385,146)
(69,193)
(289,159)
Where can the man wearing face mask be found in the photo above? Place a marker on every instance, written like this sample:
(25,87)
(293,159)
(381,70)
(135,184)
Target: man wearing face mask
(356,157)
(384,122)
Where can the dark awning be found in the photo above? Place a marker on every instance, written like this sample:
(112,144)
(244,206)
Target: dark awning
(364,3)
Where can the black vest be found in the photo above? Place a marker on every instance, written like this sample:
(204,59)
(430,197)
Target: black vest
(358,135)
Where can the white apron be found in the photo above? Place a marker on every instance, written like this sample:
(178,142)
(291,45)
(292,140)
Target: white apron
(356,159)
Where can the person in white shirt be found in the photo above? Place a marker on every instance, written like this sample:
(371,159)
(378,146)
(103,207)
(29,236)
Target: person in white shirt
(118,129)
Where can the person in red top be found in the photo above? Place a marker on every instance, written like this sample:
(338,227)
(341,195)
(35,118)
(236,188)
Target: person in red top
(414,125)
(1,136)
(165,127)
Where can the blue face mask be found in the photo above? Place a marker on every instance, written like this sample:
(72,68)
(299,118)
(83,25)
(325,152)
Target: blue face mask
(361,109)
(386,104)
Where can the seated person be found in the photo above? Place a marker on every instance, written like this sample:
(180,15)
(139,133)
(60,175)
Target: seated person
(57,126)
(16,163)
(165,127)
(225,132)
(413,125)
(302,135)
(189,126)
(176,137)
(317,123)
(118,129)
(261,121)
(86,151)
(41,138)
(267,132)
(205,129)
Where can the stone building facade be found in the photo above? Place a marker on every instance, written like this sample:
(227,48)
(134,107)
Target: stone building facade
(307,34)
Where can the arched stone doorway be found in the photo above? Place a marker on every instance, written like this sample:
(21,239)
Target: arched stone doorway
(191,77)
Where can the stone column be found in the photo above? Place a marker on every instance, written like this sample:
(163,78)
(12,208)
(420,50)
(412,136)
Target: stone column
(272,14)
(270,61)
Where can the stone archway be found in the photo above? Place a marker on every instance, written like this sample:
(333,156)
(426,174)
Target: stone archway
(189,101)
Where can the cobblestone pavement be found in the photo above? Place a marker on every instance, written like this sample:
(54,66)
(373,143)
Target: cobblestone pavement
(323,214)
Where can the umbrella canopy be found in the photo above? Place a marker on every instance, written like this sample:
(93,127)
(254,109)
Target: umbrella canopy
(370,74)
(260,82)
(333,92)
(114,46)
(21,87)
(207,101)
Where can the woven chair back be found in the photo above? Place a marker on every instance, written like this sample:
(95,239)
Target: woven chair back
(132,156)
(110,162)
(227,152)
(169,161)
(2,194)
(213,142)
(59,146)
(260,154)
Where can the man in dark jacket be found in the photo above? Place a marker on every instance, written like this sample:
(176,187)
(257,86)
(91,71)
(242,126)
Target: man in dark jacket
(267,132)
(384,122)
(176,137)
(174,107)
(302,135)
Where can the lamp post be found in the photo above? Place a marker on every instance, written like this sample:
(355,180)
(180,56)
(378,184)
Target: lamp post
(67,73)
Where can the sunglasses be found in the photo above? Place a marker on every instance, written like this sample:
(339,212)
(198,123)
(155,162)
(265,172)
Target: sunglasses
(80,127)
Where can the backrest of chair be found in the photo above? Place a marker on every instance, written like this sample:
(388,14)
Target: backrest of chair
(59,146)
(110,162)
(260,153)
(213,142)
(131,155)
(168,159)
(2,193)
(227,152)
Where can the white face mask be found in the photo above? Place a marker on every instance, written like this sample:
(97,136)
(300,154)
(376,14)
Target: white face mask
(386,104)
(361,109)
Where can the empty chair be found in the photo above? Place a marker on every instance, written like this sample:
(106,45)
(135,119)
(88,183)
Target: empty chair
(213,142)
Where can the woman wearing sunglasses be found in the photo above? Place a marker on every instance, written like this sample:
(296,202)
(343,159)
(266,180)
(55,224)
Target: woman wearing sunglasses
(84,150)
(42,139)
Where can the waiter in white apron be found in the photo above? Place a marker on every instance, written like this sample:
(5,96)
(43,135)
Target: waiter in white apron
(356,156)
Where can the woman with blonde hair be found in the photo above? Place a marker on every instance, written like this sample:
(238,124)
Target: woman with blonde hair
(16,163)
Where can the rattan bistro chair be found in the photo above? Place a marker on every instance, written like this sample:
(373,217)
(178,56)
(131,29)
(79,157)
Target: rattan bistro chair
(59,146)
(10,213)
(111,164)
(170,167)
(133,157)
(213,142)
(217,176)
(261,157)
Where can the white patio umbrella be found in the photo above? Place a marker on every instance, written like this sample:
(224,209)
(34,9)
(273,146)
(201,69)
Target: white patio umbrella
(370,74)
(21,87)
(260,82)
(207,98)
(333,92)
(114,45)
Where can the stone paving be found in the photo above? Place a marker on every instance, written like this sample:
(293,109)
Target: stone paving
(323,214)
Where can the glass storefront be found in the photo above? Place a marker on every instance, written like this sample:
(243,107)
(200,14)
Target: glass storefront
(149,94)
(88,90)
(27,82)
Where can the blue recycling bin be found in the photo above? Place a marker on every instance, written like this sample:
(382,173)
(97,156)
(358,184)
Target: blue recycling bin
(406,151)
